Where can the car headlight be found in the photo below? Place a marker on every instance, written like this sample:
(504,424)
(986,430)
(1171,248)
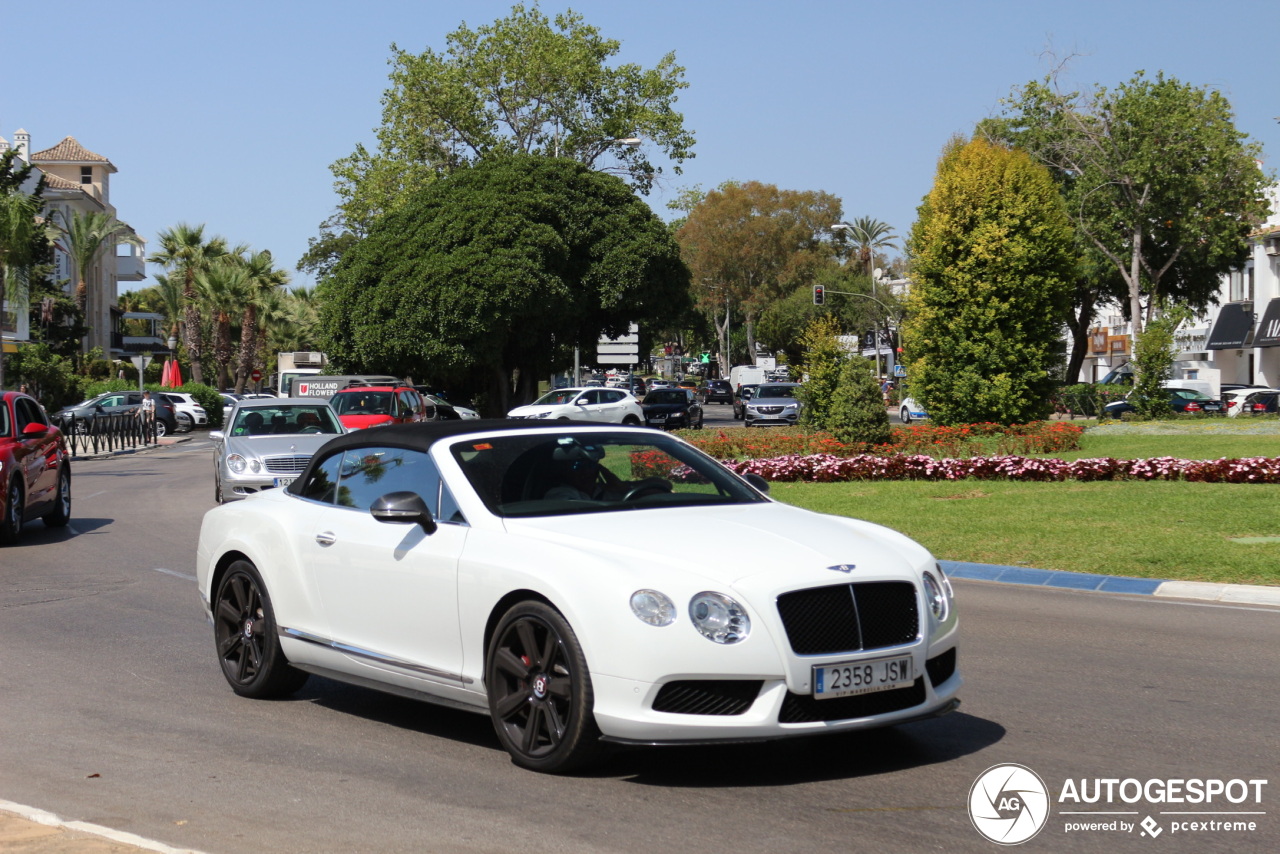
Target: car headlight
(946,582)
(719,618)
(653,608)
(934,597)
(542,415)
(791,407)
(236,463)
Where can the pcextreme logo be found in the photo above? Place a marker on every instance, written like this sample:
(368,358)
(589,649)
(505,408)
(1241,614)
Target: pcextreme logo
(1008,804)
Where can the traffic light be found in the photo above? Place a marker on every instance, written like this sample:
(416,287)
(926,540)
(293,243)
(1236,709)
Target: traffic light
(818,296)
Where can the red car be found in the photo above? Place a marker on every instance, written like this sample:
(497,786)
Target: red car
(374,406)
(35,471)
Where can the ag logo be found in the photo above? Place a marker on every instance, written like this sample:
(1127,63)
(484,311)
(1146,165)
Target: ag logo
(1008,804)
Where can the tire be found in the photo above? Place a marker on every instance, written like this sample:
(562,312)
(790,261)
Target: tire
(60,515)
(162,429)
(217,489)
(904,415)
(244,631)
(11,520)
(540,695)
(631,421)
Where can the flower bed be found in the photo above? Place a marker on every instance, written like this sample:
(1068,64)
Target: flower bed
(1041,437)
(829,468)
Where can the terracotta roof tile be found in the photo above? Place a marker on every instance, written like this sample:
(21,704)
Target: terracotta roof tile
(69,150)
(56,183)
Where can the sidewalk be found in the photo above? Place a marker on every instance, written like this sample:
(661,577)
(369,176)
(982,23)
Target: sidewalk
(163,442)
(26,830)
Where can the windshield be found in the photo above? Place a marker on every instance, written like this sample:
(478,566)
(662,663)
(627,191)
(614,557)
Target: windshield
(569,472)
(666,396)
(558,397)
(284,420)
(363,402)
(767,391)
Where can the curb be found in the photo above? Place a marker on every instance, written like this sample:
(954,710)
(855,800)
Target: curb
(1235,594)
(28,830)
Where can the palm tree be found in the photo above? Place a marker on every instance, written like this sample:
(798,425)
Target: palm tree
(265,279)
(183,249)
(869,235)
(169,292)
(293,321)
(223,287)
(20,229)
(87,236)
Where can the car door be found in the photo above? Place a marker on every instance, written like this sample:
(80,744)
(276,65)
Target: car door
(588,406)
(37,457)
(388,592)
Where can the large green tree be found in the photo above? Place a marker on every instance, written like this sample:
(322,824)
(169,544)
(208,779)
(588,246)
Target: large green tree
(23,238)
(492,275)
(751,244)
(1157,178)
(990,271)
(523,84)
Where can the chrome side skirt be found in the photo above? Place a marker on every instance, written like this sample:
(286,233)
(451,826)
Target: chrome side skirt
(375,657)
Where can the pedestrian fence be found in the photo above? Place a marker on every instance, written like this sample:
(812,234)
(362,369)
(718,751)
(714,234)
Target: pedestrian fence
(105,432)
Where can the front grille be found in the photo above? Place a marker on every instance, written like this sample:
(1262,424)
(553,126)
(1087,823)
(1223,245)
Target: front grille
(850,617)
(286,465)
(707,696)
(941,667)
(768,410)
(803,708)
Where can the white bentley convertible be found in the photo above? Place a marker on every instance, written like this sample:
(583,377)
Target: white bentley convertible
(487,565)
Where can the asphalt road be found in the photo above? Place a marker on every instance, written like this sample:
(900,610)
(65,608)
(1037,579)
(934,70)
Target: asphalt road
(115,713)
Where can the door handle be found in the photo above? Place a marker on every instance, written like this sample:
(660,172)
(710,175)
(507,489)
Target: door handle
(326,538)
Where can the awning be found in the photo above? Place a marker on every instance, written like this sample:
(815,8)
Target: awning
(1232,328)
(1268,334)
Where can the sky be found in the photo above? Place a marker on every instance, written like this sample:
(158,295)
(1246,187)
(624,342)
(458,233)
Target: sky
(230,113)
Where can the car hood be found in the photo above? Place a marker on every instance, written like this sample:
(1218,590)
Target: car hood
(536,409)
(782,546)
(664,407)
(774,401)
(360,422)
(296,444)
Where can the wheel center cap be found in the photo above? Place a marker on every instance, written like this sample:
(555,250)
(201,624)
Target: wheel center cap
(248,629)
(540,686)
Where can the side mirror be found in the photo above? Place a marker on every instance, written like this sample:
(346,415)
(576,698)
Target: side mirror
(758,482)
(403,508)
(582,401)
(217,435)
(34,430)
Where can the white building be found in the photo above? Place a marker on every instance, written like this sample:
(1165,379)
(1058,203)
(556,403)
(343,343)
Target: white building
(77,179)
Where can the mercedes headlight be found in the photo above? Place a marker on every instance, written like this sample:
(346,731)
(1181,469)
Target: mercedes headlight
(934,597)
(236,463)
(653,608)
(719,618)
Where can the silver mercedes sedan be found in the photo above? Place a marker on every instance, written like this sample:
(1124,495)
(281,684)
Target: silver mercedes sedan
(267,442)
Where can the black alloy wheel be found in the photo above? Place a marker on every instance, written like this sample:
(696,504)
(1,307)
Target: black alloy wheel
(11,521)
(244,629)
(540,695)
(60,515)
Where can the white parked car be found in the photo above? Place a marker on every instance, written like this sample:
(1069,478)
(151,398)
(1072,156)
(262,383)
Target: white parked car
(1255,400)
(909,411)
(189,411)
(584,404)
(487,567)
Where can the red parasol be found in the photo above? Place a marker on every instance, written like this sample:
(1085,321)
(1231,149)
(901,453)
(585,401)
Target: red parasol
(175,373)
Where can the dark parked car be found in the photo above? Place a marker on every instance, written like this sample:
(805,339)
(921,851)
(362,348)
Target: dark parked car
(637,386)
(1180,400)
(672,409)
(35,472)
(740,400)
(119,401)
(717,391)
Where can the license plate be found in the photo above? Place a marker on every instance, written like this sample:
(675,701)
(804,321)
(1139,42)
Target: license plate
(862,677)
(284,481)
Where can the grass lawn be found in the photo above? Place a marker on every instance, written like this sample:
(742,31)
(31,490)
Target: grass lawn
(1157,529)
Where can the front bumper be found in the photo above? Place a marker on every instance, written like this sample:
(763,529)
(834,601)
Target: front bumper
(717,710)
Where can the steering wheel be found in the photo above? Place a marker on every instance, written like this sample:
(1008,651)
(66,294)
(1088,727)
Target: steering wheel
(311,429)
(650,485)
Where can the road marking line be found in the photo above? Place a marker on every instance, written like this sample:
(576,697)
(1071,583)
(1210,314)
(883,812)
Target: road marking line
(181,575)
